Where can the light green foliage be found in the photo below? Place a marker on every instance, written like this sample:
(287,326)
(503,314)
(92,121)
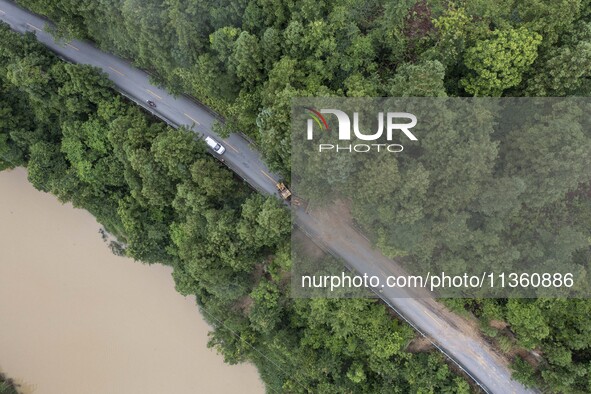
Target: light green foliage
(266,311)
(528,322)
(385,198)
(498,63)
(454,31)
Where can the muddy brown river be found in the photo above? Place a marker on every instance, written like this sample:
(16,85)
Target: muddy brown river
(74,318)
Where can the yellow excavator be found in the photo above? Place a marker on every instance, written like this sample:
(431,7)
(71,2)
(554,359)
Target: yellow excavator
(283,191)
(286,194)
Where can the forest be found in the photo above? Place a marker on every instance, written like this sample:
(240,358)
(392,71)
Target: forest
(159,192)
(490,184)
(247,60)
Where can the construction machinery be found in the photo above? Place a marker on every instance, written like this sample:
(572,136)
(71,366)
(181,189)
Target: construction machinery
(283,191)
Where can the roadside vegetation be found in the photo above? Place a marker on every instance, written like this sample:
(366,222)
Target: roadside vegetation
(247,60)
(168,201)
(7,385)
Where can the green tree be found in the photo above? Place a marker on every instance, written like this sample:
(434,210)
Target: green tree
(246,60)
(565,72)
(265,313)
(176,151)
(264,222)
(528,322)
(418,80)
(498,63)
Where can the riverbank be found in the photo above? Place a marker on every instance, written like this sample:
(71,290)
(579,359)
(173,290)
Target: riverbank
(75,318)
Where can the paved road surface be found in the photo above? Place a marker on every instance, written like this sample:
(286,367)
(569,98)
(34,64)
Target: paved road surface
(240,155)
(448,331)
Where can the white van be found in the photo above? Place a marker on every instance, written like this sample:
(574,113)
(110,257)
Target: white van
(216,146)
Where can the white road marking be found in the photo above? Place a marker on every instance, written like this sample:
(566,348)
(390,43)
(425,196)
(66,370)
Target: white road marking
(72,46)
(431,317)
(153,94)
(34,27)
(230,145)
(117,71)
(194,121)
(268,176)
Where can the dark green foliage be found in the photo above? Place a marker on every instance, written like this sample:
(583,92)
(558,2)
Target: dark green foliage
(170,202)
(7,385)
(247,60)
(515,199)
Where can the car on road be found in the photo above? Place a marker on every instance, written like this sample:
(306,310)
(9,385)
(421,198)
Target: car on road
(216,146)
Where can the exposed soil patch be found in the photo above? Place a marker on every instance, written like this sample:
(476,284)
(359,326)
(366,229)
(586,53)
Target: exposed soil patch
(419,344)
(244,304)
(498,324)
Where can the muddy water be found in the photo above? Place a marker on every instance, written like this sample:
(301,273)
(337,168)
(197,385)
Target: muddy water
(76,319)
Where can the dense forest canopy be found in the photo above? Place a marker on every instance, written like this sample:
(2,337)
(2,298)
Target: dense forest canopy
(165,199)
(490,185)
(247,59)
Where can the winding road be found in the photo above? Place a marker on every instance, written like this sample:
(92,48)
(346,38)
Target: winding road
(448,332)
